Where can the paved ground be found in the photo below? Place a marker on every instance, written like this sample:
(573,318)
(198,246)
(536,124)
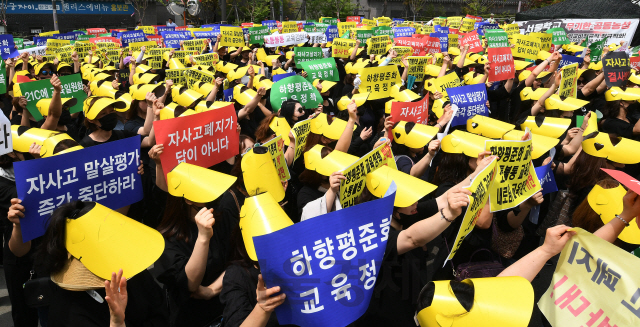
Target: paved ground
(5,305)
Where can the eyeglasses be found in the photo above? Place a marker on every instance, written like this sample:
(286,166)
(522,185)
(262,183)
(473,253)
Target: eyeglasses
(580,82)
(46,72)
(301,110)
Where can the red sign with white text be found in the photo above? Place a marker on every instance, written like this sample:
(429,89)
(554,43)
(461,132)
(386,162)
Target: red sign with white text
(432,45)
(105,39)
(624,179)
(156,38)
(635,63)
(418,45)
(478,19)
(416,112)
(472,39)
(502,66)
(181,28)
(353,19)
(203,139)
(96,31)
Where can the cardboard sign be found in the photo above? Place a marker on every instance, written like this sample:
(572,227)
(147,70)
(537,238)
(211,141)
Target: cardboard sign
(345,27)
(324,69)
(432,45)
(362,35)
(444,41)
(197,45)
(334,290)
(71,88)
(400,51)
(596,50)
(132,36)
(172,39)
(340,47)
(147,29)
(303,54)
(497,39)
(383,30)
(568,60)
(276,149)
(479,187)
(502,64)
(453,41)
(595,282)
(454,22)
(295,88)
(331,32)
(272,41)
(377,45)
(8,47)
(257,34)
(231,36)
(96,31)
(300,132)
(417,112)
(203,139)
(378,81)
(194,76)
(176,75)
(208,59)
(356,174)
(617,68)
(559,36)
(105,173)
(417,66)
(473,40)
(516,180)
(547,179)
(137,46)
(568,86)
(468,101)
(526,46)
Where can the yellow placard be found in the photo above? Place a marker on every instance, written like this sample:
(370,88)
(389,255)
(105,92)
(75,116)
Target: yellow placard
(53,44)
(383,20)
(276,149)
(427,29)
(516,180)
(439,21)
(340,47)
(155,62)
(209,59)
(193,76)
(356,174)
(64,53)
(595,283)
(158,51)
(289,27)
(176,75)
(526,46)
(454,22)
(107,45)
(479,187)
(545,40)
(50,33)
(113,55)
(512,29)
(369,22)
(345,27)
(417,66)
(441,84)
(197,45)
(467,25)
(377,45)
(231,36)
(568,86)
(147,29)
(379,80)
(400,51)
(300,132)
(183,56)
(453,40)
(83,48)
(137,46)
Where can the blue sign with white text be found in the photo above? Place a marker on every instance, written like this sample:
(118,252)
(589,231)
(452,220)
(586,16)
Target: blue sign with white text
(444,41)
(65,36)
(403,31)
(547,179)
(470,99)
(331,33)
(281,76)
(569,60)
(172,39)
(161,29)
(329,264)
(106,173)
(70,7)
(132,36)
(8,47)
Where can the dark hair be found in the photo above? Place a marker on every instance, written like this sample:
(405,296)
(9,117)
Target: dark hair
(6,161)
(133,109)
(175,221)
(611,109)
(453,168)
(64,145)
(586,171)
(401,149)
(89,125)
(463,292)
(16,104)
(238,251)
(312,178)
(349,78)
(264,131)
(236,170)
(287,110)
(584,216)
(51,255)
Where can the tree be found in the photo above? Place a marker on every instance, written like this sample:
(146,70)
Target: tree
(3,12)
(255,10)
(415,6)
(330,8)
(479,7)
(140,6)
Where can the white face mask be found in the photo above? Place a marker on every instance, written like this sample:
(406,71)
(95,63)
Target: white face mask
(245,80)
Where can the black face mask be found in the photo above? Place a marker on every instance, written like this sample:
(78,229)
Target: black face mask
(108,122)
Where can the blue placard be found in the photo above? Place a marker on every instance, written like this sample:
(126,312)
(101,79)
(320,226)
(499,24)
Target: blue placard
(131,37)
(272,24)
(397,20)
(329,264)
(172,39)
(441,29)
(488,26)
(65,36)
(470,99)
(444,41)
(106,173)
(228,95)
(207,35)
(281,76)
(70,7)
(161,29)
(41,40)
(8,47)
(569,60)
(331,33)
(403,31)
(547,178)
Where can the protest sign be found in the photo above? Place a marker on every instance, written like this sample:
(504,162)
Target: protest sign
(403,31)
(356,174)
(331,32)
(502,64)
(377,45)
(71,88)
(300,132)
(303,54)
(568,86)
(231,36)
(132,36)
(187,139)
(176,75)
(6,142)
(417,66)
(272,41)
(271,24)
(378,81)
(568,60)
(276,149)
(344,27)
(289,27)
(512,29)
(400,51)
(479,188)
(559,36)
(635,63)
(545,40)
(441,84)
(197,45)
(596,50)
(340,47)
(473,40)
(3,77)
(467,25)
(497,39)
(467,101)
(578,28)
(256,34)
(161,29)
(19,42)
(526,46)
(547,179)
(418,45)
(325,69)
(454,22)
(383,30)
(362,35)
(8,47)
(105,173)
(432,45)
(147,29)
(278,77)
(353,19)
(172,39)
(617,68)
(96,31)
(53,44)
(137,46)
(194,76)
(516,180)
(369,23)
(595,283)
(317,37)
(335,287)
(309,27)
(295,88)
(626,180)
(208,59)
(416,112)
(444,41)
(453,40)
(486,27)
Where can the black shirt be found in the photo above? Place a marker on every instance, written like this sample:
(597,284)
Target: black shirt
(87,141)
(618,127)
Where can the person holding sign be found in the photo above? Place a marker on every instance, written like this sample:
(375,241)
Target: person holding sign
(619,105)
(223,51)
(54,112)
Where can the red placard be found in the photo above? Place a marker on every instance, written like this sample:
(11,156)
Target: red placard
(502,66)
(453,30)
(472,39)
(420,36)
(156,38)
(203,139)
(635,63)
(478,19)
(96,31)
(416,112)
(417,44)
(246,24)
(624,179)
(105,39)
(432,45)
(181,28)
(300,26)
(353,19)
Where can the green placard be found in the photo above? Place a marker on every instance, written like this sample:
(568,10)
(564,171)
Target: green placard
(579,120)
(256,34)
(636,252)
(309,28)
(596,50)
(559,36)
(383,30)
(330,21)
(83,37)
(303,54)
(295,88)
(321,28)
(363,35)
(105,34)
(324,69)
(497,38)
(71,88)
(3,78)
(19,43)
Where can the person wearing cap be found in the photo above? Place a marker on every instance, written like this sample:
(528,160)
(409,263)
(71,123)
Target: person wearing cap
(44,70)
(223,51)
(291,111)
(618,119)
(245,104)
(54,112)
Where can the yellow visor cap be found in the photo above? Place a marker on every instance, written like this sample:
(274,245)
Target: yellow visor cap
(592,124)
(106,241)
(263,82)
(438,107)
(454,51)
(409,189)
(419,136)
(595,65)
(43,105)
(269,60)
(529,94)
(540,144)
(319,125)
(625,152)
(547,126)
(488,127)
(432,70)
(197,184)
(143,68)
(145,78)
(139,91)
(470,79)
(462,142)
(616,93)
(203,106)
(406,96)
(359,98)
(174,64)
(203,88)
(50,144)
(174,110)
(521,64)
(261,215)
(388,105)
(281,127)
(260,175)
(542,54)
(498,301)
(608,203)
(243,97)
(568,104)
(92,111)
(187,98)
(278,72)
(102,77)
(334,161)
(23,137)
(326,85)
(635,79)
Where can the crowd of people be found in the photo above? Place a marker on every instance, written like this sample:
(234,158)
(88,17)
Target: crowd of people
(206,274)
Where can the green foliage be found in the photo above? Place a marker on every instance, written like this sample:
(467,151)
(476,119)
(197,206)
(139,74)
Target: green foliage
(329,8)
